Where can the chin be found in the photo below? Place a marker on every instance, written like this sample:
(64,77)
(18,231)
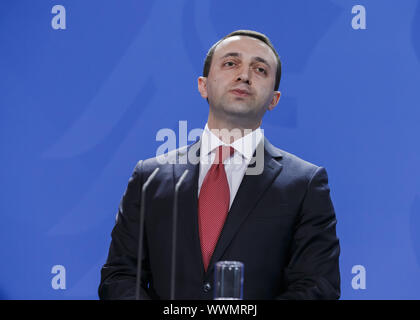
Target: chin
(241,113)
(238,108)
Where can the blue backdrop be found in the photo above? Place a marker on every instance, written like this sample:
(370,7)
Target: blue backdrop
(81,105)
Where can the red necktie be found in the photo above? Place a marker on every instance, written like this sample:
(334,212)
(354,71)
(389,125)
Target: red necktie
(213,203)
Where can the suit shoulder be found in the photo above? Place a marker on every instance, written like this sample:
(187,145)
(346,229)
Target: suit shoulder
(297,165)
(161,161)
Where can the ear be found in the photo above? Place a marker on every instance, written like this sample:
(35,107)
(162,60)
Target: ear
(202,86)
(275,100)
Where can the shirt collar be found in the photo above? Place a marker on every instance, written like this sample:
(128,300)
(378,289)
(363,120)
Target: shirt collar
(245,145)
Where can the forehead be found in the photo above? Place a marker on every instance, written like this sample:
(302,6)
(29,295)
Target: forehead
(246,46)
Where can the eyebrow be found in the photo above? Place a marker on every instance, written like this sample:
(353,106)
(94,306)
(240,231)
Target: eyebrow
(236,54)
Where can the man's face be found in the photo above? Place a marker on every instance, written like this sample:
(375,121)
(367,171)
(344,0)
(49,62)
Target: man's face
(240,83)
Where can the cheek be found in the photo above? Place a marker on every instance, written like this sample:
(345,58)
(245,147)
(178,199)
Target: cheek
(266,94)
(215,86)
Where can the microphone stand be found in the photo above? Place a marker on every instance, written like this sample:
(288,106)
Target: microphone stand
(141,231)
(174,232)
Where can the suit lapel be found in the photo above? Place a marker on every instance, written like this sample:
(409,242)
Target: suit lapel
(251,189)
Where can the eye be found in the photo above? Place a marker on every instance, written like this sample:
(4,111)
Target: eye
(261,70)
(229,63)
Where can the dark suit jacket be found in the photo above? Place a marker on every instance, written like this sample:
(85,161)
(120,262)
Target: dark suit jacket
(281,225)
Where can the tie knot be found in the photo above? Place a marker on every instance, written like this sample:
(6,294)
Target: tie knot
(222,153)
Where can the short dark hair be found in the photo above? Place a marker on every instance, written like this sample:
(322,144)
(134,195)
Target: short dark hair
(248,33)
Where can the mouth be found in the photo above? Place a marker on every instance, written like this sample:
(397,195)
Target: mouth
(240,93)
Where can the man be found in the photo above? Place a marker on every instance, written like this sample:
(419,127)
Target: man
(244,200)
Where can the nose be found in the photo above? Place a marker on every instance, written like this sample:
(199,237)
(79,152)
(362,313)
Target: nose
(244,76)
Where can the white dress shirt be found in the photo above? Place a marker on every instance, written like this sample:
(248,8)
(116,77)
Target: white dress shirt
(235,166)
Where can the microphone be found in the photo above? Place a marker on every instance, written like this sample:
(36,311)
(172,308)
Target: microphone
(174,232)
(141,230)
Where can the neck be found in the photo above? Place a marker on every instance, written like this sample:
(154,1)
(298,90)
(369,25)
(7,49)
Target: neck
(227,130)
